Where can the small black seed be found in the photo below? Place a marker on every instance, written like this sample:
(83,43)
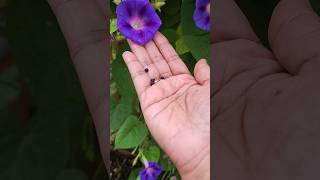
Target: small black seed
(162,77)
(146,70)
(152,82)
(277,93)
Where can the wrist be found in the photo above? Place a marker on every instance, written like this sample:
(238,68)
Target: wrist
(198,170)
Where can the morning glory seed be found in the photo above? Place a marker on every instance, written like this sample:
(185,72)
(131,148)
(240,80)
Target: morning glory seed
(152,82)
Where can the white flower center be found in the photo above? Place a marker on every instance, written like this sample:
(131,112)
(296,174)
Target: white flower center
(137,24)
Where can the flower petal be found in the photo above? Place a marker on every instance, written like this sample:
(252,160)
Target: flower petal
(202,3)
(151,172)
(130,12)
(201,16)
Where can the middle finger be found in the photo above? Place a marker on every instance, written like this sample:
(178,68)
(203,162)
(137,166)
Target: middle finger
(143,57)
(158,60)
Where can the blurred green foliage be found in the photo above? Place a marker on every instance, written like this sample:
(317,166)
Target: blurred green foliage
(127,126)
(46,131)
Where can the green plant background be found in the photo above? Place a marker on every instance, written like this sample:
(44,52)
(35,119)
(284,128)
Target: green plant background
(46,132)
(128,130)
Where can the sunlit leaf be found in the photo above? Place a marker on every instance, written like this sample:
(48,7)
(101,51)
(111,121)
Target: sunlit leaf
(116,1)
(113,25)
(181,47)
(152,153)
(157,4)
(199,46)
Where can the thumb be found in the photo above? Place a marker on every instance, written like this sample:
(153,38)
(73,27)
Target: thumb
(294,36)
(202,72)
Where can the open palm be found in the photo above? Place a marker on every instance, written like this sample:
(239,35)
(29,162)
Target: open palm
(266,102)
(177,107)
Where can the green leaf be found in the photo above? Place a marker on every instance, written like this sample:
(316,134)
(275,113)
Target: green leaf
(121,76)
(165,162)
(157,4)
(113,25)
(170,34)
(187,22)
(171,7)
(181,47)
(131,134)
(134,173)
(120,113)
(152,153)
(189,60)
(199,46)
(168,21)
(116,1)
(113,88)
(113,103)
(72,174)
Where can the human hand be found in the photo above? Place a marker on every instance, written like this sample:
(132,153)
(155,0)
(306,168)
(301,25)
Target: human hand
(176,109)
(83,23)
(266,102)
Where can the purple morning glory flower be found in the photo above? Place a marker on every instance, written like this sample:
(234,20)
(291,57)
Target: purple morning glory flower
(151,171)
(137,20)
(201,15)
